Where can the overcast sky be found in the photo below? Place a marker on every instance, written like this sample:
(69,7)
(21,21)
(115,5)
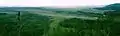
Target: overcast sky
(55,2)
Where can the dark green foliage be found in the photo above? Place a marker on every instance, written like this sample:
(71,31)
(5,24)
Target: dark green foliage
(32,25)
(40,25)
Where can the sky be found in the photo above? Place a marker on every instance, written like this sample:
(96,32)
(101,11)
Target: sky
(56,2)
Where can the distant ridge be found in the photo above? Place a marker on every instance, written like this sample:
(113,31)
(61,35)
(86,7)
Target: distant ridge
(115,6)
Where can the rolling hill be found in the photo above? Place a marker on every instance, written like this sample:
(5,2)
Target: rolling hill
(115,6)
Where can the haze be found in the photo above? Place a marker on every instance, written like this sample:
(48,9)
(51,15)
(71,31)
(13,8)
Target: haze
(38,3)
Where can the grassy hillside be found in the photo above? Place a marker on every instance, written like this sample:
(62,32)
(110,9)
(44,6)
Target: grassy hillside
(60,22)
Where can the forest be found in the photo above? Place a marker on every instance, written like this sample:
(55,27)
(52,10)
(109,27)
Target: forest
(40,25)
(59,22)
